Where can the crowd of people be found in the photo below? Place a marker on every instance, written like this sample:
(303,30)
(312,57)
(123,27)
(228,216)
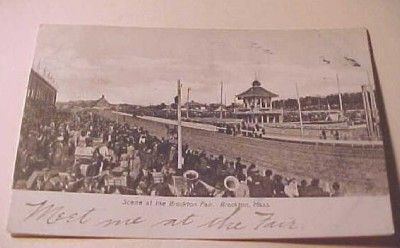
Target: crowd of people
(243,128)
(257,131)
(92,154)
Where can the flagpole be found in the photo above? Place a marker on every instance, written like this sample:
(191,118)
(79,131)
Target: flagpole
(225,102)
(187,104)
(340,94)
(301,118)
(179,126)
(225,98)
(220,112)
(234,104)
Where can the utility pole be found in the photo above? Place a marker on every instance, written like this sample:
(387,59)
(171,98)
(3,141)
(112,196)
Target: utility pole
(187,103)
(234,104)
(340,94)
(180,162)
(225,104)
(301,118)
(222,88)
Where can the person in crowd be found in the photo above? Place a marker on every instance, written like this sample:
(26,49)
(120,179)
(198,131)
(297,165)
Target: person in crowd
(231,185)
(159,185)
(142,188)
(302,188)
(93,169)
(250,170)
(314,190)
(239,169)
(195,188)
(81,141)
(57,151)
(278,186)
(291,188)
(335,190)
(323,134)
(243,189)
(267,184)
(336,135)
(104,150)
(231,168)
(254,181)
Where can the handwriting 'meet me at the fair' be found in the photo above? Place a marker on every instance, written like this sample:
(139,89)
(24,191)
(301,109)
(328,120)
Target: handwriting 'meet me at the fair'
(51,214)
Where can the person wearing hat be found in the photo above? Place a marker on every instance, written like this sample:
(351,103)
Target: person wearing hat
(255,183)
(251,169)
(335,190)
(48,184)
(314,190)
(291,189)
(81,140)
(278,186)
(231,168)
(159,187)
(239,169)
(195,188)
(268,184)
(302,188)
(142,188)
(231,185)
(243,189)
(57,151)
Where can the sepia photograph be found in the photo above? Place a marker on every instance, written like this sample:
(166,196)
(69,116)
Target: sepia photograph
(201,113)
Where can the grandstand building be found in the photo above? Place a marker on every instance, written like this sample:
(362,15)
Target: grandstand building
(40,91)
(257,106)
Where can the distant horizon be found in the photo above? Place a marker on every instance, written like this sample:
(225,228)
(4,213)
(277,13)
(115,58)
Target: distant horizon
(191,100)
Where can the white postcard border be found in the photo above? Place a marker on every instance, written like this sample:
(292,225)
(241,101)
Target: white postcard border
(94,215)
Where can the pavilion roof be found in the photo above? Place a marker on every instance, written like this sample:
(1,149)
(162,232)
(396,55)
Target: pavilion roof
(256,91)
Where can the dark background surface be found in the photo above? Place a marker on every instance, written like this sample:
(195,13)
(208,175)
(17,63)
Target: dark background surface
(19,21)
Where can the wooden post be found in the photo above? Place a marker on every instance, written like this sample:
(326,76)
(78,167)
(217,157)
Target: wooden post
(180,162)
(234,104)
(187,104)
(301,118)
(340,94)
(222,88)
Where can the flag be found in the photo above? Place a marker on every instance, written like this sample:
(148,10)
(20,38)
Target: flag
(352,61)
(324,60)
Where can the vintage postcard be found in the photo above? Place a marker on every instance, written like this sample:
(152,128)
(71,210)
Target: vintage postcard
(203,134)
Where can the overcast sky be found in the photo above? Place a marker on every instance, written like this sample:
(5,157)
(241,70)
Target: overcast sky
(141,66)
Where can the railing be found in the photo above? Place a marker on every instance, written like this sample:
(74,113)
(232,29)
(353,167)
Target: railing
(255,108)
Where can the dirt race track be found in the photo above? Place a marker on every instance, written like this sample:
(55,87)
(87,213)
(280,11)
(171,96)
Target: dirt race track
(360,171)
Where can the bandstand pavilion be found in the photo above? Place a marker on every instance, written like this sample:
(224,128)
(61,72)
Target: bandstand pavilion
(257,106)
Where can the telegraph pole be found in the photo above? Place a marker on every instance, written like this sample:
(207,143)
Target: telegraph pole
(180,162)
(222,89)
(187,103)
(340,94)
(301,118)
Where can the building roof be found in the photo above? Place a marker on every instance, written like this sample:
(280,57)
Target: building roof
(102,102)
(256,91)
(195,104)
